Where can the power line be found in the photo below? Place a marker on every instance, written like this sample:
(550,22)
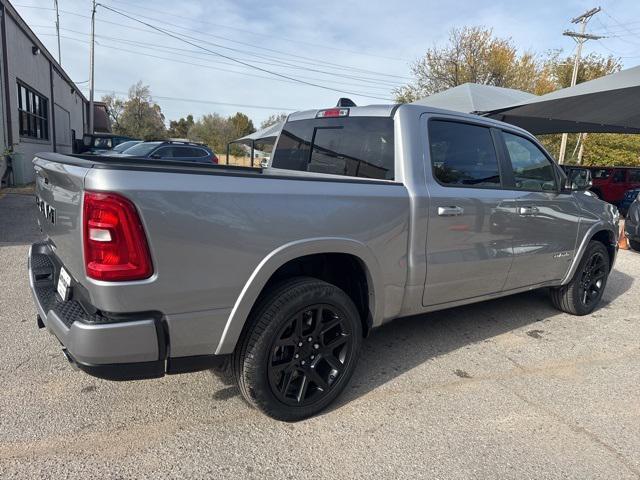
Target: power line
(246,64)
(210,67)
(328,47)
(212,102)
(364,81)
(299,58)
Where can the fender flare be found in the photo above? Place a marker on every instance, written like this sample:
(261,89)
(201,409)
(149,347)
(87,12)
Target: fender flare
(290,251)
(595,228)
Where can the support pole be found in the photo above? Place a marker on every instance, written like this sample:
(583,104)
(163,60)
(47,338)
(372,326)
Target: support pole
(55,3)
(580,38)
(91,65)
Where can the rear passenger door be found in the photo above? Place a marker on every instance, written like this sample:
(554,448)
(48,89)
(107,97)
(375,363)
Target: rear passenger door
(470,231)
(547,219)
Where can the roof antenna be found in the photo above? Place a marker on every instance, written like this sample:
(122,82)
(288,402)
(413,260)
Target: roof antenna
(345,102)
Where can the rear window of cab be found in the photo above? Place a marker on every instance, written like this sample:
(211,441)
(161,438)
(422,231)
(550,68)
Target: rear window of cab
(350,146)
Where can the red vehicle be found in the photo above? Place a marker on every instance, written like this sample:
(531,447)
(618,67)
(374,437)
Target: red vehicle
(611,183)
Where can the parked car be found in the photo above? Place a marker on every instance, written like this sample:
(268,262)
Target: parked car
(632,224)
(611,183)
(99,143)
(120,148)
(173,151)
(629,197)
(363,215)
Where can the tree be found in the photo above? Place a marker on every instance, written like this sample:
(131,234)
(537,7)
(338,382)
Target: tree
(115,106)
(474,54)
(138,116)
(241,125)
(273,119)
(180,128)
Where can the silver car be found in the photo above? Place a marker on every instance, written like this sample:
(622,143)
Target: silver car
(275,276)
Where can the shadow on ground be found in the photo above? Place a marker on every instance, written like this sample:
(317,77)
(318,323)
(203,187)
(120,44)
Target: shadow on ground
(403,344)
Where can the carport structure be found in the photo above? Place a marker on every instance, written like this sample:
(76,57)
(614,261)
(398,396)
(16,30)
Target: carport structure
(609,104)
(265,135)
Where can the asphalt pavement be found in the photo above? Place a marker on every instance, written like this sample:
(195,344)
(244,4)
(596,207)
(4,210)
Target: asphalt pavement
(509,388)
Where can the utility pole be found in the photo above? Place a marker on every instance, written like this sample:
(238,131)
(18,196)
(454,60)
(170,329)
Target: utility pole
(55,3)
(580,39)
(91,63)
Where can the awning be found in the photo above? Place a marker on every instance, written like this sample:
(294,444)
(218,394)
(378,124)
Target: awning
(265,135)
(474,98)
(609,104)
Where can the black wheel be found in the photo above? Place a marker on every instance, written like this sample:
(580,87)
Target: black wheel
(582,295)
(634,244)
(300,349)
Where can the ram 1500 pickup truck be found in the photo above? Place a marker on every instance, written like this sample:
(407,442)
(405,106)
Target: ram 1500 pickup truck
(364,215)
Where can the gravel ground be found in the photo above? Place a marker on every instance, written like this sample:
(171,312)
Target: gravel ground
(504,389)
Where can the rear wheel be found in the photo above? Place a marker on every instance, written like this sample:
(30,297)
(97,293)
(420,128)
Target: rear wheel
(583,294)
(300,350)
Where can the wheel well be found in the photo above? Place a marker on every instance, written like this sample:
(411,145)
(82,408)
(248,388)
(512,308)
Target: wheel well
(343,270)
(608,240)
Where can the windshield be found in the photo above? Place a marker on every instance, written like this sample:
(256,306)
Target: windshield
(142,149)
(125,145)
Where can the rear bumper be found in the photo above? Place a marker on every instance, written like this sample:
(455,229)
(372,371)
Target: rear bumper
(114,347)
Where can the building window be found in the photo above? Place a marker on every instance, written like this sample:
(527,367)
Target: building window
(33,114)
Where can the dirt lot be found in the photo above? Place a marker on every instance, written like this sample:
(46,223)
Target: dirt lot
(505,389)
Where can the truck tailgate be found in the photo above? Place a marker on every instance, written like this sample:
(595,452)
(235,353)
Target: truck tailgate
(59,189)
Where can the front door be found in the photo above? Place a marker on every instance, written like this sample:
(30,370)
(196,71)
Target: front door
(546,220)
(469,234)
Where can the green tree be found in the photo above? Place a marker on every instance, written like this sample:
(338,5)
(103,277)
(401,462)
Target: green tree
(241,125)
(180,128)
(140,116)
(474,54)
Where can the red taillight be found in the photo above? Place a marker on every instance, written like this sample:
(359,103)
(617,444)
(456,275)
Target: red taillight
(115,245)
(333,112)
(214,159)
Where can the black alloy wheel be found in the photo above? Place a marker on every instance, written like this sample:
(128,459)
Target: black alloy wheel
(309,354)
(593,279)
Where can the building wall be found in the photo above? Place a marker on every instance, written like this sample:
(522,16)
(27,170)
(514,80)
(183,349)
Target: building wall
(65,105)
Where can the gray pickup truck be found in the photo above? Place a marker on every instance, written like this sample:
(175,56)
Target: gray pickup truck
(275,276)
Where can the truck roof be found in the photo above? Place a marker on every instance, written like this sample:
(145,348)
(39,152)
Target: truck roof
(390,110)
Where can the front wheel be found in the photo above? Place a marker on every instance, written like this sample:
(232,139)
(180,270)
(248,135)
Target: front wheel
(300,349)
(583,294)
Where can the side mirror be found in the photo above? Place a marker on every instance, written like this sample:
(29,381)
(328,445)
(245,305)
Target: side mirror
(578,179)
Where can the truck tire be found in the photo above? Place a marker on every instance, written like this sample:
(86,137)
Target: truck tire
(299,350)
(583,293)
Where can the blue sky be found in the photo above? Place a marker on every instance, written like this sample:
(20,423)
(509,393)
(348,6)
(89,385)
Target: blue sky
(360,47)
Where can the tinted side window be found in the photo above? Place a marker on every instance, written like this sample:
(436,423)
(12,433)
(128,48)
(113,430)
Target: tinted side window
(352,146)
(532,170)
(634,176)
(164,152)
(618,176)
(463,154)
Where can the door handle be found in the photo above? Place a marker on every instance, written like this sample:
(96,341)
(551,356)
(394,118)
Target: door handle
(527,210)
(450,211)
